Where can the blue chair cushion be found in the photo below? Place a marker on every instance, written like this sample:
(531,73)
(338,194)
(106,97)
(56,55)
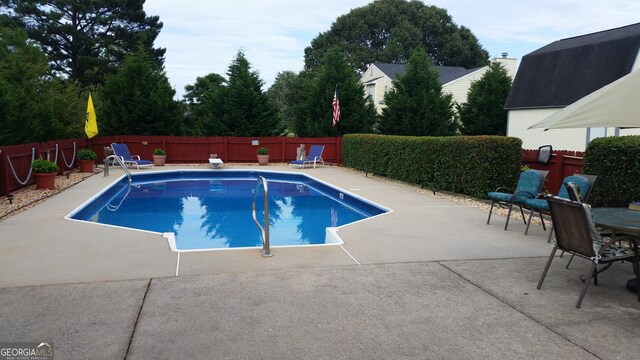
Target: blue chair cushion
(537,204)
(499,196)
(506,197)
(580,181)
(530,182)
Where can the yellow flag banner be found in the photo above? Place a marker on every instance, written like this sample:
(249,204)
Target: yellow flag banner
(91,125)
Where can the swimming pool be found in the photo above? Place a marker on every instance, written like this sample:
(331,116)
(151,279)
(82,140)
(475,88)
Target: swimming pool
(211,209)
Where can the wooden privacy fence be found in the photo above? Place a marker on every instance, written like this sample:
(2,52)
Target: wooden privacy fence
(563,163)
(15,160)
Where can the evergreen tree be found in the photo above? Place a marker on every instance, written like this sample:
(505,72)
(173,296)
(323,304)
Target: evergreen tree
(484,112)
(389,30)
(315,113)
(244,109)
(33,106)
(138,100)
(416,104)
(86,40)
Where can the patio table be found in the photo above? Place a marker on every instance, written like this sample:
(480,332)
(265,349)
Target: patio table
(622,220)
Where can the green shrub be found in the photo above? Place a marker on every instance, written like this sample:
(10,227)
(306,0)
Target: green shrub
(471,165)
(87,154)
(44,166)
(616,162)
(263,151)
(158,151)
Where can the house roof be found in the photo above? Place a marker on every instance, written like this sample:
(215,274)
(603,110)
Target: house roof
(447,73)
(566,70)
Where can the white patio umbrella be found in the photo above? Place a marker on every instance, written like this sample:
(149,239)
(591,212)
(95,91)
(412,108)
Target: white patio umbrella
(614,105)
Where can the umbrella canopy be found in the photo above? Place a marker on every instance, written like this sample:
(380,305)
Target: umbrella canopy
(613,105)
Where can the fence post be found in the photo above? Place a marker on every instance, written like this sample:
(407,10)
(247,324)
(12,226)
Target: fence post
(558,171)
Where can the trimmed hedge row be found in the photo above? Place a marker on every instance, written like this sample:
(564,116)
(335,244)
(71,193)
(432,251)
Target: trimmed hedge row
(616,161)
(471,165)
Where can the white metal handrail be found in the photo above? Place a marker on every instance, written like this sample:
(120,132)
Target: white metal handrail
(266,248)
(119,161)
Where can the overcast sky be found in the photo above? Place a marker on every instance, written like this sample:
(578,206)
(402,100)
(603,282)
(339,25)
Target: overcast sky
(203,37)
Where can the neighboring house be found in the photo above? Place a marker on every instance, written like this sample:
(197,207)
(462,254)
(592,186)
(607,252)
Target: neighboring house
(563,72)
(378,79)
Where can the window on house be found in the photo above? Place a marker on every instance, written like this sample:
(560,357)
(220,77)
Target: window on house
(371,91)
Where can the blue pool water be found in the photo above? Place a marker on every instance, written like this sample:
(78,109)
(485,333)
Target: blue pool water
(212,209)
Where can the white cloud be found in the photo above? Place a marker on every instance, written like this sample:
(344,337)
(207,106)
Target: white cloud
(203,37)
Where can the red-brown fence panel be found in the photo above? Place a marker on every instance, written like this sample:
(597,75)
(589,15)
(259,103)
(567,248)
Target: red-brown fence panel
(15,160)
(563,163)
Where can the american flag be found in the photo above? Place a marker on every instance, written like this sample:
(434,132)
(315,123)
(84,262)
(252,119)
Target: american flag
(336,108)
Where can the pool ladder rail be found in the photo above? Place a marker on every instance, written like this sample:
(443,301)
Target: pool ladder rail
(119,161)
(266,248)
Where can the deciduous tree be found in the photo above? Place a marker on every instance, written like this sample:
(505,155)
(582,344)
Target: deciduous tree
(389,30)
(286,93)
(202,105)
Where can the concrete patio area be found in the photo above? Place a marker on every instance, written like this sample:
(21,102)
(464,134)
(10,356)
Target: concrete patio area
(429,280)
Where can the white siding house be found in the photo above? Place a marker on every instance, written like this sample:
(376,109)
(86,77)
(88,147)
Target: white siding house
(378,79)
(563,72)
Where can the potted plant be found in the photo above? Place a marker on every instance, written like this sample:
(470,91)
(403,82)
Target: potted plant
(159,157)
(45,173)
(263,156)
(86,159)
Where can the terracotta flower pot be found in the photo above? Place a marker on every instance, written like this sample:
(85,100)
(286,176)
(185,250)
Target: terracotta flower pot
(86,166)
(45,180)
(159,160)
(263,159)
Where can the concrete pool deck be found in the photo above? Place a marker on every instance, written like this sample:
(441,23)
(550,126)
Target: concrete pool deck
(429,280)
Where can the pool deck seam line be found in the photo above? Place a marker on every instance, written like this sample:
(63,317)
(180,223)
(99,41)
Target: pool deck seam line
(135,323)
(348,253)
(178,264)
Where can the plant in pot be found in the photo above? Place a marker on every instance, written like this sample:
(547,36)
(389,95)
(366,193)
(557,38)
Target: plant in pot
(263,156)
(159,157)
(86,159)
(45,173)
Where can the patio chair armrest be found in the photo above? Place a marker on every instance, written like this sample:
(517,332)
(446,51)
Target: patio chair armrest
(135,156)
(502,188)
(525,193)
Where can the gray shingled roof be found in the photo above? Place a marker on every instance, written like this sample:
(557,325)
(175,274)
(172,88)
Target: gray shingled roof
(447,73)
(566,70)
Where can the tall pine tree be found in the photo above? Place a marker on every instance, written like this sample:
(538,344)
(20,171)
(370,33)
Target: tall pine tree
(314,116)
(241,107)
(34,106)
(138,100)
(484,113)
(86,40)
(416,104)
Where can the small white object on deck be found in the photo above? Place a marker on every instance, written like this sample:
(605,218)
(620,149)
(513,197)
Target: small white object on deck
(215,163)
